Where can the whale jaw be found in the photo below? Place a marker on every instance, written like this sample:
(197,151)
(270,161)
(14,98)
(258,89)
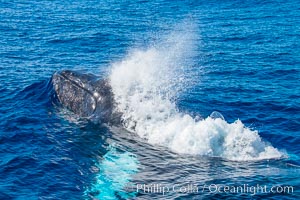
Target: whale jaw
(86,95)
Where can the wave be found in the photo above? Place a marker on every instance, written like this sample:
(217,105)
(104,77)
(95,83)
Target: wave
(145,84)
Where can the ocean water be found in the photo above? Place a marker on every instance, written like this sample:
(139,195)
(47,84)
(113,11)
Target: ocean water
(209,92)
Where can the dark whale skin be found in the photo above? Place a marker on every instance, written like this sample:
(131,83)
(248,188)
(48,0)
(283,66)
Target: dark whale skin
(86,95)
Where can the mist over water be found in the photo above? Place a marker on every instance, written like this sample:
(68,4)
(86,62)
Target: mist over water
(145,84)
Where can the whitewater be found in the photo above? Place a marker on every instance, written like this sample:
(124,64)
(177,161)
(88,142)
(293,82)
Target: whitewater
(146,84)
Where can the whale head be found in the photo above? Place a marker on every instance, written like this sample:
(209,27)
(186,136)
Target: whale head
(86,95)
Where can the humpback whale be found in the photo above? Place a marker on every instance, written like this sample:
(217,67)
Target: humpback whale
(86,95)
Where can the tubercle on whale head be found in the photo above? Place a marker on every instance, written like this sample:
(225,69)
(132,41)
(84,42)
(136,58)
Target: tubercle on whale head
(86,95)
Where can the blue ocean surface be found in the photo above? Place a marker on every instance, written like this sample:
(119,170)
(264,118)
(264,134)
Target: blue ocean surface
(209,91)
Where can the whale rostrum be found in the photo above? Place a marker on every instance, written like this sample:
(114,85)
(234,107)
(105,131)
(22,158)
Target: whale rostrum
(86,95)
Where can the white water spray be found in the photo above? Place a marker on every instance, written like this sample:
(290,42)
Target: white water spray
(145,83)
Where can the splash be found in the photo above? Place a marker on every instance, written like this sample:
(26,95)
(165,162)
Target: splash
(145,85)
